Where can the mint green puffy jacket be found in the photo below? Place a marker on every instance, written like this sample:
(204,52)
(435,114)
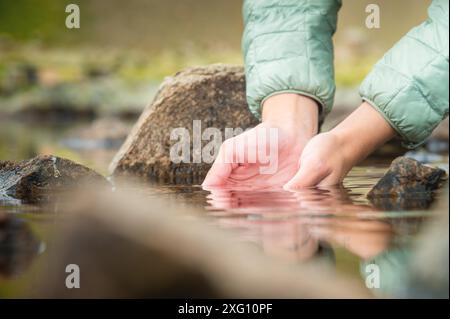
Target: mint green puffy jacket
(288,47)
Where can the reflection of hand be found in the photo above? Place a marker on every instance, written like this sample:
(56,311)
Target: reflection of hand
(288,239)
(291,224)
(259,218)
(317,201)
(248,199)
(365,238)
(295,120)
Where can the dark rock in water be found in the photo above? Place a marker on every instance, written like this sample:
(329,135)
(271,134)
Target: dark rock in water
(18,246)
(406,175)
(407,184)
(403,201)
(213,94)
(40,179)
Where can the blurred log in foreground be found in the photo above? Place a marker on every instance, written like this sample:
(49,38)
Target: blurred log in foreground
(130,247)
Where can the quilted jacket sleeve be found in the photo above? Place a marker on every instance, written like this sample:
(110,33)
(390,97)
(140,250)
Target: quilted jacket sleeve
(409,85)
(287,46)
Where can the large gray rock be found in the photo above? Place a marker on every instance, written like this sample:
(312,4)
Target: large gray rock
(214,94)
(43,178)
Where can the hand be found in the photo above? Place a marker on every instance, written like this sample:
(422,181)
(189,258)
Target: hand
(294,119)
(328,157)
(323,163)
(290,225)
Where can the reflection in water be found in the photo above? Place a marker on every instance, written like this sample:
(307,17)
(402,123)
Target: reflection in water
(318,224)
(18,246)
(414,201)
(314,223)
(296,225)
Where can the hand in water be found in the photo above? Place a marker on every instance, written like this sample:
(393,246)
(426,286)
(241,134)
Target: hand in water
(322,163)
(267,155)
(328,157)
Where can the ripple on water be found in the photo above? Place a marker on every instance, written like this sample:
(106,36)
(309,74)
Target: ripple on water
(336,224)
(297,226)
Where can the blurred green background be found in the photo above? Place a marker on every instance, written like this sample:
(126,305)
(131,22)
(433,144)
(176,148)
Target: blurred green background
(149,39)
(113,64)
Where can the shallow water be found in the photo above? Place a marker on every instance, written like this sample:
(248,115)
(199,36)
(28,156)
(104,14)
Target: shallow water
(337,225)
(298,226)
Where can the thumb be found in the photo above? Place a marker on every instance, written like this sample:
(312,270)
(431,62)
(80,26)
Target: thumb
(218,174)
(310,174)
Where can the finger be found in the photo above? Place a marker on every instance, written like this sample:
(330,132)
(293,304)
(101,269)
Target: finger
(330,180)
(309,174)
(218,174)
(221,168)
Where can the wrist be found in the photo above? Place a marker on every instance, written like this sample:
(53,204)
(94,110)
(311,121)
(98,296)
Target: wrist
(361,133)
(344,144)
(295,114)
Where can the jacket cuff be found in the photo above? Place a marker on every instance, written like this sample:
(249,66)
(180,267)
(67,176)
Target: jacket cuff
(259,90)
(402,104)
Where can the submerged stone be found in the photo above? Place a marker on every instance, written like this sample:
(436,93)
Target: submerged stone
(407,184)
(214,95)
(41,179)
(18,246)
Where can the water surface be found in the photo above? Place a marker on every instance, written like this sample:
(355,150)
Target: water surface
(337,225)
